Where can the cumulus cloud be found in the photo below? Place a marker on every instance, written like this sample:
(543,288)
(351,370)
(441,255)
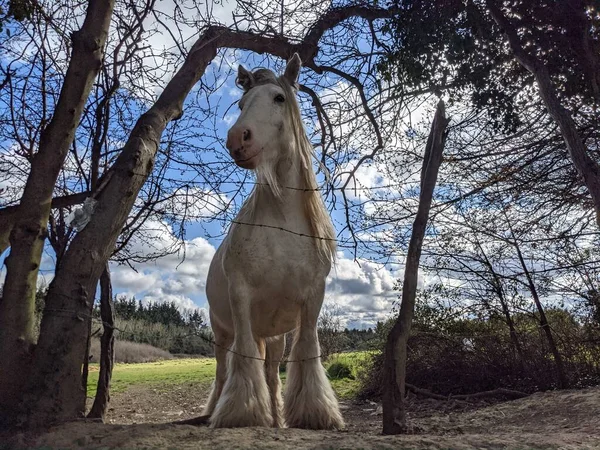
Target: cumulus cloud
(363,289)
(196,203)
(177,277)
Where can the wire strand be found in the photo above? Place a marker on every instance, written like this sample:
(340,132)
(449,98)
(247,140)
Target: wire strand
(80,315)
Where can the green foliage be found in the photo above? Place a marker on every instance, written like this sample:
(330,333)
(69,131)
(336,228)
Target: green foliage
(172,338)
(162,325)
(339,370)
(359,364)
(358,340)
(164,312)
(456,47)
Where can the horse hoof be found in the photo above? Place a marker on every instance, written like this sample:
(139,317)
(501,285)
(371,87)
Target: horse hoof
(242,420)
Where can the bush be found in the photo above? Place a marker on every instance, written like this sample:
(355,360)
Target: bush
(130,352)
(465,356)
(339,370)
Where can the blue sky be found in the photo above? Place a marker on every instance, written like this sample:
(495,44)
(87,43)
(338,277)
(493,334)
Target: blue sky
(364,289)
(361,284)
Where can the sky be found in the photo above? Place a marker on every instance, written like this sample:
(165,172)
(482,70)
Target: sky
(361,284)
(363,289)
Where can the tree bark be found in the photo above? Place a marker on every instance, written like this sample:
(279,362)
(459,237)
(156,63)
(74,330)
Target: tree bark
(54,393)
(394,408)
(85,370)
(8,214)
(6,226)
(30,224)
(586,167)
(107,348)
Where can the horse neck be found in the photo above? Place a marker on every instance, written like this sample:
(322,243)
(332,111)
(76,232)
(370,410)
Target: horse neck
(291,184)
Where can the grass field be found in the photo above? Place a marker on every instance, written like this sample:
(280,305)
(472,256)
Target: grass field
(170,373)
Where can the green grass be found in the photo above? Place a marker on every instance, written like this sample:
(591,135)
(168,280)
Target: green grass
(348,388)
(166,374)
(162,373)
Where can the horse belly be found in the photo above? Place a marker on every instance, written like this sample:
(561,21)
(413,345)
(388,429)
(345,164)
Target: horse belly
(274,318)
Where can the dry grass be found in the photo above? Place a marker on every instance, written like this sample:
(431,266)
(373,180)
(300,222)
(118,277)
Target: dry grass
(131,352)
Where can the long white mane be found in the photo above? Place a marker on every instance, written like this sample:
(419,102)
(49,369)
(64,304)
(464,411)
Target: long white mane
(302,152)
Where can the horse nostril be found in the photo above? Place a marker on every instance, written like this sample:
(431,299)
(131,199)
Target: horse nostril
(247,135)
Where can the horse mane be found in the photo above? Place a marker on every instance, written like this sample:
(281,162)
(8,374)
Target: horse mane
(314,207)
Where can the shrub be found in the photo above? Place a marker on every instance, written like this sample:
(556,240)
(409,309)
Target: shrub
(465,356)
(339,370)
(172,338)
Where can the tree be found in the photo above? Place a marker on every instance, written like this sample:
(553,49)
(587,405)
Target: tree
(394,407)
(563,382)
(28,232)
(329,327)
(574,20)
(457,47)
(372,76)
(107,348)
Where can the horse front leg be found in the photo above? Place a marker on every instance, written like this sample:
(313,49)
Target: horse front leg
(245,400)
(223,341)
(309,398)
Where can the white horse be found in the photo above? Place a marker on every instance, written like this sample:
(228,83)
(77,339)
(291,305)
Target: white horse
(268,276)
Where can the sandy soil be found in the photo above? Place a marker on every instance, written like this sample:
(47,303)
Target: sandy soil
(561,420)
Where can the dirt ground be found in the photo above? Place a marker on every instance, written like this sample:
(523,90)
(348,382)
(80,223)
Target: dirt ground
(136,419)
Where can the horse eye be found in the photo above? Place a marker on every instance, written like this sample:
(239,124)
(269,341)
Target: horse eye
(279,98)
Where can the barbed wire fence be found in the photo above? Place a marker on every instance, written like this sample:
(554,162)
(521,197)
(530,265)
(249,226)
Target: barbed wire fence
(79,316)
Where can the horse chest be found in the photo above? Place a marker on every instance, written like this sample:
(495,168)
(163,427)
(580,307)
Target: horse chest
(273,256)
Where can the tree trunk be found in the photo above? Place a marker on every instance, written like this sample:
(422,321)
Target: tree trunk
(6,225)
(54,392)
(586,167)
(85,371)
(107,348)
(29,230)
(394,408)
(8,215)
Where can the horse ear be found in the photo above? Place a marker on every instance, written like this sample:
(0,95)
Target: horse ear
(244,79)
(292,70)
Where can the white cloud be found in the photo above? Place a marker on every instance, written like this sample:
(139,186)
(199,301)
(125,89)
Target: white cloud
(196,204)
(126,278)
(176,277)
(364,290)
(181,301)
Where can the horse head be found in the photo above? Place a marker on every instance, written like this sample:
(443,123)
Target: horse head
(264,130)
